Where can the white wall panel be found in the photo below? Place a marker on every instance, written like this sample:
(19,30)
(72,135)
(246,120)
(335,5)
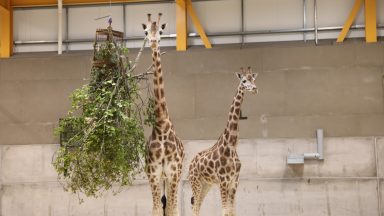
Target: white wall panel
(218,16)
(82,23)
(35,24)
(215,16)
(335,13)
(273,14)
(380,11)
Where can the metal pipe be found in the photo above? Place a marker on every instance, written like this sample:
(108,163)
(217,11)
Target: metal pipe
(311,156)
(172,36)
(66,29)
(124,21)
(304,18)
(60,26)
(320,145)
(319,155)
(315,19)
(242,22)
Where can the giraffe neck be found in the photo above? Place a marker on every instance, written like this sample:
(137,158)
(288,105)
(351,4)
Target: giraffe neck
(232,130)
(161,110)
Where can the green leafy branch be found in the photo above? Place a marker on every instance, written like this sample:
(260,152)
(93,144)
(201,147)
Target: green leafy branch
(102,138)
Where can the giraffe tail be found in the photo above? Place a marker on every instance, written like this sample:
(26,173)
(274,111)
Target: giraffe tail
(164,201)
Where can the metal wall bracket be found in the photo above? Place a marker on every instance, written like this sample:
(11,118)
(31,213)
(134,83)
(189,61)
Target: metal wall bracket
(319,155)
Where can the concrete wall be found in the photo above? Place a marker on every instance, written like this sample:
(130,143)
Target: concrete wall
(349,182)
(302,87)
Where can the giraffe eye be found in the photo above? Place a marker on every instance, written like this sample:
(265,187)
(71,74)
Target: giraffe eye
(146,33)
(244,81)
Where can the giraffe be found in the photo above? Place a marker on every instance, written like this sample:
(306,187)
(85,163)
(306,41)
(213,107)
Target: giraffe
(165,151)
(220,164)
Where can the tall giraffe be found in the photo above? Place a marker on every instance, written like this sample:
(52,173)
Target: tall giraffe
(165,151)
(220,164)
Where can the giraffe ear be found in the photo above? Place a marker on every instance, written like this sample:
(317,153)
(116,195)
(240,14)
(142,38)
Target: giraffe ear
(239,75)
(144,26)
(162,27)
(254,75)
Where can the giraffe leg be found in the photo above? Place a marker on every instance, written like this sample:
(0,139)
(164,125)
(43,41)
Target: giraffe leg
(172,194)
(196,195)
(155,183)
(232,196)
(224,197)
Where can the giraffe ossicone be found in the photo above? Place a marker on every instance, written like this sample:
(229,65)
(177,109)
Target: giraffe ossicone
(220,164)
(165,151)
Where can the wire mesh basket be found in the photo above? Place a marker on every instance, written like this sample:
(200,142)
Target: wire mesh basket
(103,36)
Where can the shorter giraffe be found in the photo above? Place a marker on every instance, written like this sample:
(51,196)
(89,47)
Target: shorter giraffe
(220,164)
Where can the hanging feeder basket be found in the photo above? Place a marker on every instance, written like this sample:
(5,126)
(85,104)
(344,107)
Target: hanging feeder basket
(102,36)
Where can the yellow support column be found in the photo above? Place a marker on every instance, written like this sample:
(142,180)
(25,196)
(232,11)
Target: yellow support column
(351,18)
(197,24)
(370,21)
(5,31)
(181,25)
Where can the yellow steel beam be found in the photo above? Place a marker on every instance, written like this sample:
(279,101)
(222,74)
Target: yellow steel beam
(181,25)
(36,3)
(6,32)
(184,7)
(197,24)
(350,20)
(370,21)
(4,4)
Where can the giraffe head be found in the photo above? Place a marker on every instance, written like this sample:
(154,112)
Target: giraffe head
(153,31)
(247,80)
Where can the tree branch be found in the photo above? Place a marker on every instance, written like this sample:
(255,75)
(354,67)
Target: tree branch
(147,71)
(137,57)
